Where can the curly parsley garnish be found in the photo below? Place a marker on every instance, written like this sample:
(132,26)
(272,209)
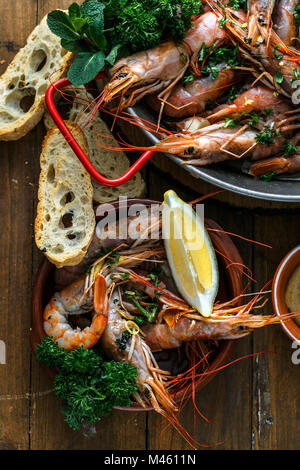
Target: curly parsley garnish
(267,135)
(88,386)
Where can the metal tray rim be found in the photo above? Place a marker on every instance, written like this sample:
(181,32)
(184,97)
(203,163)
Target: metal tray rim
(204,174)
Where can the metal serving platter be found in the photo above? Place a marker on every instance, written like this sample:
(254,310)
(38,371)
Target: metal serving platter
(229,175)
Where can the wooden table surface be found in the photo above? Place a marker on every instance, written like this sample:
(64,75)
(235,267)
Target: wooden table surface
(254,404)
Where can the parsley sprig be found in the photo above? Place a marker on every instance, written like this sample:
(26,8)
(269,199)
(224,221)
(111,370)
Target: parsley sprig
(88,386)
(218,56)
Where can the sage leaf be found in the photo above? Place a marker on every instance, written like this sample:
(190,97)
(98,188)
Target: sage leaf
(75,45)
(95,32)
(85,67)
(111,58)
(74,11)
(91,10)
(59,23)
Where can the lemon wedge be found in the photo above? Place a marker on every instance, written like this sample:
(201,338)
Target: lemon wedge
(190,254)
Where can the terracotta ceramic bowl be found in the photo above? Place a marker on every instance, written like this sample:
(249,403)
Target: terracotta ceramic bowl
(280,281)
(231,286)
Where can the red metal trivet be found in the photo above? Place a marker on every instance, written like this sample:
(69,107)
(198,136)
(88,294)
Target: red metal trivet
(76,147)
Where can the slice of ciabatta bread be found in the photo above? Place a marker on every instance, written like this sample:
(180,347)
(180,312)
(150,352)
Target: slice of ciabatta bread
(24,83)
(65,220)
(109,163)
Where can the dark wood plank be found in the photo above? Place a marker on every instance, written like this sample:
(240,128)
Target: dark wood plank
(16,212)
(276,380)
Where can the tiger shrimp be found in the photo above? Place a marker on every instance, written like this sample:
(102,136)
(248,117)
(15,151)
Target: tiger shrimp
(160,68)
(258,98)
(285,24)
(267,50)
(192,97)
(151,380)
(214,143)
(179,322)
(75,300)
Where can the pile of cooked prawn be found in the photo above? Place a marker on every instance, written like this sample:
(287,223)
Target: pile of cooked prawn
(123,296)
(223,109)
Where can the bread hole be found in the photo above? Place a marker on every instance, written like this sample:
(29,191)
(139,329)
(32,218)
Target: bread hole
(51,174)
(58,249)
(27,99)
(67,198)
(71,236)
(27,102)
(38,60)
(67,220)
(48,218)
(84,200)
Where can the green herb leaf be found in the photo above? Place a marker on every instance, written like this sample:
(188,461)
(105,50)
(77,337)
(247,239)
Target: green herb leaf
(60,24)
(111,57)
(268,176)
(123,340)
(236,4)
(277,54)
(289,149)
(85,67)
(74,11)
(230,122)
(75,46)
(92,10)
(278,77)
(297,15)
(204,51)
(266,136)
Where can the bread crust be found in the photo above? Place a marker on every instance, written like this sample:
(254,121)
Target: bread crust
(26,78)
(51,233)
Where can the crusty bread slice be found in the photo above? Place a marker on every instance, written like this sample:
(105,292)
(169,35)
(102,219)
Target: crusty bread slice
(109,163)
(65,220)
(25,81)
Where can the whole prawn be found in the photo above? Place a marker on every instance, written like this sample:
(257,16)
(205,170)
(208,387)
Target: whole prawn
(207,139)
(192,97)
(275,57)
(73,301)
(285,24)
(163,66)
(215,143)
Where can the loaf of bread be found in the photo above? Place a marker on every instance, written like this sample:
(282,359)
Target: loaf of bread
(24,83)
(109,163)
(65,220)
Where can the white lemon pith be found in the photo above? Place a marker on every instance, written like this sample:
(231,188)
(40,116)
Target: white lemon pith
(190,254)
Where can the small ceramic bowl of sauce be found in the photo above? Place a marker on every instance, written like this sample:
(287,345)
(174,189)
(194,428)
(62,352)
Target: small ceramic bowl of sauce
(286,292)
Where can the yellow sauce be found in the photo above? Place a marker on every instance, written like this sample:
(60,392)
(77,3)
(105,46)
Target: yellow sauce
(292,295)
